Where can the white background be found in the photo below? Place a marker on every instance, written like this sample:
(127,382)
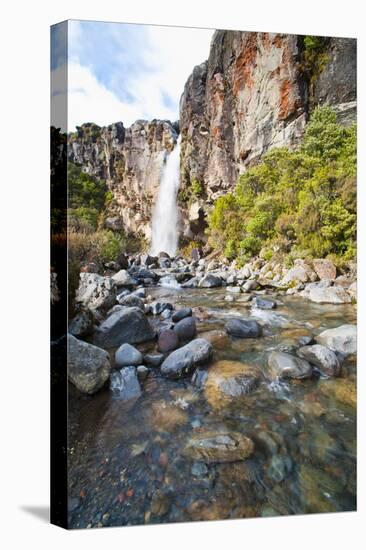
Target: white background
(24,368)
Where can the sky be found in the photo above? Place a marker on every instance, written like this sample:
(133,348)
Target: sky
(123,72)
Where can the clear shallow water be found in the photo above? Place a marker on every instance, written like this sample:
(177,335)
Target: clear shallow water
(126,461)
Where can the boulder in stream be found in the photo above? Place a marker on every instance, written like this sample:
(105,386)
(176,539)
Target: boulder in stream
(243,328)
(127,325)
(88,366)
(284,365)
(324,359)
(342,339)
(218,447)
(183,360)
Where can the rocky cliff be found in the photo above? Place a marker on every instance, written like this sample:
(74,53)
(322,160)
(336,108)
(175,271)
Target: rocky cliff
(254,93)
(130,160)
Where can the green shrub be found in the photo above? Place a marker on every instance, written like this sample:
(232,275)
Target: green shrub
(303,200)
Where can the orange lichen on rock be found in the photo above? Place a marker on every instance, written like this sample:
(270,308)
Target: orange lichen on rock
(244,64)
(286,100)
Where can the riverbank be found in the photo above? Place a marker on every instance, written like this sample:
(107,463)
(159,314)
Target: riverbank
(248,424)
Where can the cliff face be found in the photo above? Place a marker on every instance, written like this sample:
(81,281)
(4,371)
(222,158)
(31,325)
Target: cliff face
(254,94)
(130,160)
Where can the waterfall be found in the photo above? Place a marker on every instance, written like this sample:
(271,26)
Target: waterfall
(165,216)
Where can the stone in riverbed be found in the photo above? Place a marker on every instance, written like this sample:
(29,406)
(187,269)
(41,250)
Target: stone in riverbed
(88,366)
(243,328)
(154,360)
(142,372)
(186,329)
(262,303)
(167,341)
(323,358)
(218,447)
(210,281)
(156,308)
(124,383)
(181,314)
(229,380)
(342,339)
(250,285)
(285,365)
(184,360)
(127,355)
(280,467)
(192,283)
(128,325)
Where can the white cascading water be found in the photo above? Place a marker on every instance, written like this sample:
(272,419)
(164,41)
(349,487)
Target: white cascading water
(164,236)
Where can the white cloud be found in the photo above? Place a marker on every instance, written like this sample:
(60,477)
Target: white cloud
(170,53)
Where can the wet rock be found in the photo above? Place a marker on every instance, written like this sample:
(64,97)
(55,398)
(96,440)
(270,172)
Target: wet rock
(183,360)
(88,366)
(73,504)
(323,292)
(95,292)
(262,303)
(243,328)
(186,329)
(161,503)
(154,360)
(305,340)
(342,390)
(284,365)
(156,308)
(142,372)
(166,314)
(323,358)
(127,355)
(199,378)
(342,339)
(167,341)
(181,314)
(199,469)
(280,467)
(128,325)
(210,281)
(147,260)
(131,301)
(82,324)
(124,383)
(229,380)
(123,278)
(218,447)
(325,269)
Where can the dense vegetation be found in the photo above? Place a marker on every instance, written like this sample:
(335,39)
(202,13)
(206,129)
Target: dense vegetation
(300,202)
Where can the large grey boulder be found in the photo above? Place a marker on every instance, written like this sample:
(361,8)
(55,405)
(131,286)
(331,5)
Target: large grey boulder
(127,325)
(342,339)
(131,300)
(186,329)
(183,360)
(210,281)
(323,292)
(325,360)
(123,278)
(285,365)
(243,328)
(88,366)
(125,384)
(127,355)
(95,292)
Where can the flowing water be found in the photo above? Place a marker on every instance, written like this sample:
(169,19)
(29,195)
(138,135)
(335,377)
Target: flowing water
(126,464)
(164,236)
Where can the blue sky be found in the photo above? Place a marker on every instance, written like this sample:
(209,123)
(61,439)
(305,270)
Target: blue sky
(124,72)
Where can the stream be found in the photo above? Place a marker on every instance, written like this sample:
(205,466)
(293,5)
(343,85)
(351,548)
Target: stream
(127,464)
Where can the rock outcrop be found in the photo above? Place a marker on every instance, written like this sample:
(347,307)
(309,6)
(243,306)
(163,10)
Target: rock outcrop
(254,93)
(130,160)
